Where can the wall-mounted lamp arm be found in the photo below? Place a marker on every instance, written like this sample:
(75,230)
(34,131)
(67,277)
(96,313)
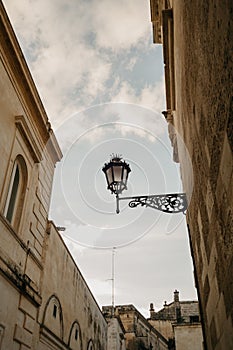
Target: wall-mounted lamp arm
(168,203)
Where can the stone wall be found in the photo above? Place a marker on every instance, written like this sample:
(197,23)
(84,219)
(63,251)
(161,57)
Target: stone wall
(164,327)
(203,49)
(188,337)
(24,136)
(45,302)
(116,339)
(198,46)
(139,333)
(181,314)
(64,289)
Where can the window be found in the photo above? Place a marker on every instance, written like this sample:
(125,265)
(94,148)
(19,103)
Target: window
(13,194)
(194,318)
(16,191)
(75,337)
(52,316)
(54,311)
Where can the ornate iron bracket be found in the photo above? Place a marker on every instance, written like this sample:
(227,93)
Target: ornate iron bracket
(168,203)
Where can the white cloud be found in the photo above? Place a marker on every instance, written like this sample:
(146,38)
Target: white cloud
(64,45)
(149,97)
(120,24)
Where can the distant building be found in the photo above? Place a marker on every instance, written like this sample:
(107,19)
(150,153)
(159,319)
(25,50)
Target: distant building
(116,332)
(45,302)
(139,333)
(179,322)
(176,326)
(197,39)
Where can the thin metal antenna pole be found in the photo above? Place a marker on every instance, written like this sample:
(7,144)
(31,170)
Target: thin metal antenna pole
(113,280)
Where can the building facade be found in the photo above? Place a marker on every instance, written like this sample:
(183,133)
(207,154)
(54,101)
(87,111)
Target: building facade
(179,322)
(45,302)
(188,336)
(197,39)
(116,333)
(139,333)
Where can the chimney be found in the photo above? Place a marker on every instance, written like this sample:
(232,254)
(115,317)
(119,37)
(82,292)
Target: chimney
(152,310)
(176,296)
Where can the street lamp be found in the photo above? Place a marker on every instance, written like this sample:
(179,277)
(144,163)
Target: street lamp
(117,172)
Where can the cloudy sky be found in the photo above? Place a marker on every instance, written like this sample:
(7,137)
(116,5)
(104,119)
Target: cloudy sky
(101,81)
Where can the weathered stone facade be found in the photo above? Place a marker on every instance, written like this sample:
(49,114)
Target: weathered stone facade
(116,333)
(139,333)
(45,302)
(197,38)
(179,322)
(188,336)
(64,289)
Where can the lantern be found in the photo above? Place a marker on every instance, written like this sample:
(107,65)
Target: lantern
(116,172)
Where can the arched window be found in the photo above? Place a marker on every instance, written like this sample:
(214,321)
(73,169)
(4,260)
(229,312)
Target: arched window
(53,317)
(75,337)
(16,192)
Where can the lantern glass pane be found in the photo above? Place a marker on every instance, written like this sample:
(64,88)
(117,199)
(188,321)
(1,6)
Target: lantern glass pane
(125,176)
(117,173)
(109,176)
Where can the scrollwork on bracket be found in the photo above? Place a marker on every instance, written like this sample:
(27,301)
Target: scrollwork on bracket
(168,203)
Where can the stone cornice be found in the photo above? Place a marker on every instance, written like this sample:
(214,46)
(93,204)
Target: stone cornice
(19,279)
(156,19)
